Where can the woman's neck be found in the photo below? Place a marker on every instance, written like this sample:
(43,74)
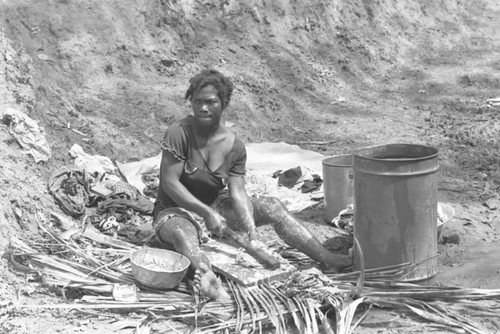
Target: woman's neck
(207,132)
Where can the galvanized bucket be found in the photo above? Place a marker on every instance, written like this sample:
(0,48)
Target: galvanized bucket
(337,184)
(395,206)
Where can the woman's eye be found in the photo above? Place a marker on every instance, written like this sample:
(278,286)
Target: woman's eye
(209,102)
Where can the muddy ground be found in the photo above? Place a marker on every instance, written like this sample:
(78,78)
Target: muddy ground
(329,76)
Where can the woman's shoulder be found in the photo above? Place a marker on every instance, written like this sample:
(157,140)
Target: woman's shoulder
(185,122)
(238,145)
(180,126)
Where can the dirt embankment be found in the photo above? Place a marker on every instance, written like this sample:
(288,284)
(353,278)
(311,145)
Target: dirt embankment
(126,62)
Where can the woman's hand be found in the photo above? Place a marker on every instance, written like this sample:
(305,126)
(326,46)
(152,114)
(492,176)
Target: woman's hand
(215,223)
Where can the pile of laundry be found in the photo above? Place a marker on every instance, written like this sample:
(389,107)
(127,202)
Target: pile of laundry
(345,219)
(297,188)
(300,178)
(92,188)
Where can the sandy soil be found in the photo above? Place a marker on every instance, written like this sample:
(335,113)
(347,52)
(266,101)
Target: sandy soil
(331,77)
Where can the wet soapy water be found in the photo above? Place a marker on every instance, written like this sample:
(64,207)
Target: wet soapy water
(479,269)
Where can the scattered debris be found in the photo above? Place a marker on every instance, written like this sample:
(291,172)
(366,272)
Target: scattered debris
(451,238)
(125,293)
(492,203)
(28,134)
(493,102)
(63,222)
(344,220)
(93,164)
(70,187)
(20,217)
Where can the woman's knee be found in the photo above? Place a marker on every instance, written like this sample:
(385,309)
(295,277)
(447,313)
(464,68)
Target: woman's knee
(177,229)
(268,210)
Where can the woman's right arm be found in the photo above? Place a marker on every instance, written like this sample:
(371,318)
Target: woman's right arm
(171,174)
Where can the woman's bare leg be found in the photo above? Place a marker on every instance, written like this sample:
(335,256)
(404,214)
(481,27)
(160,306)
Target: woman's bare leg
(183,235)
(270,210)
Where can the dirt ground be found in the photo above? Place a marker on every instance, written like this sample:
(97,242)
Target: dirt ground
(328,76)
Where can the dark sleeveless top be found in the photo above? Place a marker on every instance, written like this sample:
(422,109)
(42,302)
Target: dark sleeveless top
(197,177)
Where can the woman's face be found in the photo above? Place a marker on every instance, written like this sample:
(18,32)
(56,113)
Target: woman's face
(207,106)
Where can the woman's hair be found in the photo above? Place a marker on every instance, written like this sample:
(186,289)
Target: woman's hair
(214,78)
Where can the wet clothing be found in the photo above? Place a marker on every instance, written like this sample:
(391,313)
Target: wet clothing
(203,183)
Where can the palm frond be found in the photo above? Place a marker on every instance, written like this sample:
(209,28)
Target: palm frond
(304,315)
(276,305)
(346,315)
(239,306)
(433,313)
(269,308)
(304,300)
(290,306)
(249,305)
(361,279)
(313,311)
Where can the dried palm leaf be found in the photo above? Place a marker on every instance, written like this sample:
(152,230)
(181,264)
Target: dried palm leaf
(276,307)
(269,309)
(239,305)
(389,273)
(305,315)
(345,316)
(361,280)
(430,313)
(326,328)
(313,310)
(290,306)
(407,290)
(259,312)
(249,306)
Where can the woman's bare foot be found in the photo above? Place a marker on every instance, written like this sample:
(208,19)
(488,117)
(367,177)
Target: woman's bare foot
(209,285)
(337,262)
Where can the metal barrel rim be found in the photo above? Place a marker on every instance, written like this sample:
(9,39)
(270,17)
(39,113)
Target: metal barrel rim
(341,160)
(431,152)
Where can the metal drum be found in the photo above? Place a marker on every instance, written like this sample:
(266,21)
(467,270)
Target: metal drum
(395,207)
(337,184)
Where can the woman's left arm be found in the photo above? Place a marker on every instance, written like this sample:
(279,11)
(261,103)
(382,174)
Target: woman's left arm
(241,203)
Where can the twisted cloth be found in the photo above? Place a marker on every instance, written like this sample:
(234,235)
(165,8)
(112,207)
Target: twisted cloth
(122,188)
(70,187)
(142,204)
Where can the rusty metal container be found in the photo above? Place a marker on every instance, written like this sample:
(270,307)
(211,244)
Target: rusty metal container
(395,206)
(337,184)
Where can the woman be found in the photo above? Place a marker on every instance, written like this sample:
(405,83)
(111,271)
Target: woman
(200,157)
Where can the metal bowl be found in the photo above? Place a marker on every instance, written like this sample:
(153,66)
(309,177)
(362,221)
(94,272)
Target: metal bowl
(158,268)
(445,214)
